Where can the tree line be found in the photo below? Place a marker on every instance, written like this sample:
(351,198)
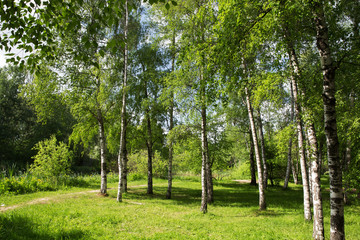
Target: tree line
(203,84)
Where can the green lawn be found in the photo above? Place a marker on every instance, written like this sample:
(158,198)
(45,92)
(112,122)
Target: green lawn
(234,215)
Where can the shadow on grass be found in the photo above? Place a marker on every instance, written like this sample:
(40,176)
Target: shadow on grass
(15,227)
(246,195)
(226,195)
(180,195)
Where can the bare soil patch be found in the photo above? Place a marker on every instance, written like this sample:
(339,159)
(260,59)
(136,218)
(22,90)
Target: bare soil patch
(47,200)
(243,181)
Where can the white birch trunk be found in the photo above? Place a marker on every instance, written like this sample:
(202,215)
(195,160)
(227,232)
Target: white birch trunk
(103,188)
(337,229)
(204,191)
(262,142)
(149,144)
(262,202)
(204,148)
(318,225)
(304,173)
(252,161)
(294,76)
(169,190)
(289,162)
(123,110)
(124,158)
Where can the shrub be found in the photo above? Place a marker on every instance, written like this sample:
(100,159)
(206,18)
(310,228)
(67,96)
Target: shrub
(136,177)
(242,171)
(53,159)
(138,164)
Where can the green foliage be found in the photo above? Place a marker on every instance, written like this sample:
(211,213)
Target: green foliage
(15,115)
(240,172)
(352,179)
(187,155)
(281,142)
(19,129)
(138,165)
(53,159)
(26,183)
(136,176)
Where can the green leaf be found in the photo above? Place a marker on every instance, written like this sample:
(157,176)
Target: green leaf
(167,6)
(102,53)
(96,64)
(174,3)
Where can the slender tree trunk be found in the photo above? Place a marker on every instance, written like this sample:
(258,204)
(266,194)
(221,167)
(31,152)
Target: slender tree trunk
(204,192)
(204,148)
(209,182)
(347,161)
(103,189)
(262,202)
(149,145)
(321,144)
(308,163)
(150,156)
(306,189)
(318,226)
(304,173)
(347,157)
(289,165)
(252,160)
(125,159)
(102,139)
(337,229)
(123,110)
(295,168)
(289,162)
(169,190)
(262,142)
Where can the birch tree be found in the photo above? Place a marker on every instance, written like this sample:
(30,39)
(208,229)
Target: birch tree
(262,201)
(328,69)
(122,156)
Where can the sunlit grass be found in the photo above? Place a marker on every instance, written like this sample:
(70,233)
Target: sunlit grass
(233,215)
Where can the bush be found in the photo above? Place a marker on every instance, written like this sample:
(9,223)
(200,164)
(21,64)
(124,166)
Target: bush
(242,171)
(136,177)
(138,164)
(52,161)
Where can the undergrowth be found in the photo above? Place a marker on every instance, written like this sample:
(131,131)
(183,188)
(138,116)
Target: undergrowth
(29,183)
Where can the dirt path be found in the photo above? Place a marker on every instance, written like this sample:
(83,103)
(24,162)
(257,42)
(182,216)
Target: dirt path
(243,181)
(46,200)
(43,200)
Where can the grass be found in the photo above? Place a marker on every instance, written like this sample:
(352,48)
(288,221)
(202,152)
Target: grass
(233,215)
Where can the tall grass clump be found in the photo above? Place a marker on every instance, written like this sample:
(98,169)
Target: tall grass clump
(26,183)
